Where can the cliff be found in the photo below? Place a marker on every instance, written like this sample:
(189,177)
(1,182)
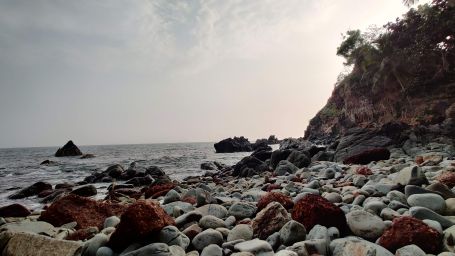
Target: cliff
(402,82)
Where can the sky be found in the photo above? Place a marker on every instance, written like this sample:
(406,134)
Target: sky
(126,72)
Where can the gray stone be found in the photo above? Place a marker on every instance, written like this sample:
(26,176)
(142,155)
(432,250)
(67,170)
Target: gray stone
(333,233)
(328,173)
(242,210)
(292,232)
(411,175)
(318,247)
(286,253)
(333,197)
(365,224)
(431,201)
(212,250)
(284,167)
(216,210)
(410,250)
(207,237)
(210,221)
(171,196)
(171,235)
(397,196)
(374,206)
(104,251)
(274,240)
(91,246)
(434,224)
(37,227)
(155,249)
(112,221)
(318,232)
(241,231)
(229,221)
(169,208)
(424,213)
(356,246)
(187,218)
(255,246)
(175,250)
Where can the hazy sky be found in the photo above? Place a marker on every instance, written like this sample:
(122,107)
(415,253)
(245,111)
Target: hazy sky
(108,72)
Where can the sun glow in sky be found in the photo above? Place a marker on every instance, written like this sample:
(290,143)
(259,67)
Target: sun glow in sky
(108,72)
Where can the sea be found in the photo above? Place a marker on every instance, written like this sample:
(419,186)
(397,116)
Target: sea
(20,167)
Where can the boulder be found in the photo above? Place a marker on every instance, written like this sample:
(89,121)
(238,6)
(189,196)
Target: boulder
(231,145)
(86,212)
(368,156)
(270,220)
(26,244)
(365,224)
(249,166)
(278,155)
(85,191)
(140,221)
(14,210)
(70,149)
(285,167)
(299,159)
(356,246)
(284,200)
(408,230)
(32,190)
(314,209)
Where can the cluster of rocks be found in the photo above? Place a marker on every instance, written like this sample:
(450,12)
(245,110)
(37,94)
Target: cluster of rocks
(287,202)
(242,144)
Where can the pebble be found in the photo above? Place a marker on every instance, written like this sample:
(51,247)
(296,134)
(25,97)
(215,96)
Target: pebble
(210,221)
(112,221)
(104,251)
(207,237)
(171,196)
(292,232)
(171,235)
(256,247)
(365,224)
(241,231)
(242,210)
(431,201)
(425,213)
(410,250)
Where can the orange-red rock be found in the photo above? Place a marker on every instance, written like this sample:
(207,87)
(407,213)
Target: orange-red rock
(158,190)
(284,200)
(270,220)
(447,178)
(408,230)
(363,170)
(139,222)
(314,209)
(85,211)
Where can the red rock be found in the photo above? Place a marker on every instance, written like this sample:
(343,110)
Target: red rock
(363,170)
(14,210)
(419,160)
(447,178)
(270,220)
(45,193)
(408,230)
(368,156)
(189,199)
(192,231)
(140,221)
(314,209)
(284,200)
(158,190)
(85,211)
(272,187)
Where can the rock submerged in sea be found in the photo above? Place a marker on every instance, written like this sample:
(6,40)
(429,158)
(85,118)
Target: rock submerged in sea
(69,149)
(231,145)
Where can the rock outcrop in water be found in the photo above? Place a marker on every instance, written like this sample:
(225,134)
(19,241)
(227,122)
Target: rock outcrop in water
(70,149)
(231,145)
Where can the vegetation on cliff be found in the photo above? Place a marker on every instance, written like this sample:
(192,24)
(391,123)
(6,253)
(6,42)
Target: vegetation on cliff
(402,72)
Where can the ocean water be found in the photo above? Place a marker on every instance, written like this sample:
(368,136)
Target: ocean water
(20,167)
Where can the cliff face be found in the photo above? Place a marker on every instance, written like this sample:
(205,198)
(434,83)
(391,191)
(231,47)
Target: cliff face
(402,82)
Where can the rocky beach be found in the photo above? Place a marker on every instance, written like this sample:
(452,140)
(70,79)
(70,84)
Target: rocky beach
(374,174)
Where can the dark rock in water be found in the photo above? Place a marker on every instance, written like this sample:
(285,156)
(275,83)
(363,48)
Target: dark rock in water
(87,156)
(45,193)
(33,190)
(208,166)
(278,155)
(261,144)
(249,166)
(86,212)
(155,171)
(408,230)
(64,185)
(231,145)
(368,156)
(314,209)
(70,149)
(55,195)
(141,181)
(115,171)
(299,159)
(48,162)
(141,221)
(14,210)
(85,191)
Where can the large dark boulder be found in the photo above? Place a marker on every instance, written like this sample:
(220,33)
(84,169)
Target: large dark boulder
(231,145)
(70,149)
(299,159)
(249,166)
(32,190)
(278,155)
